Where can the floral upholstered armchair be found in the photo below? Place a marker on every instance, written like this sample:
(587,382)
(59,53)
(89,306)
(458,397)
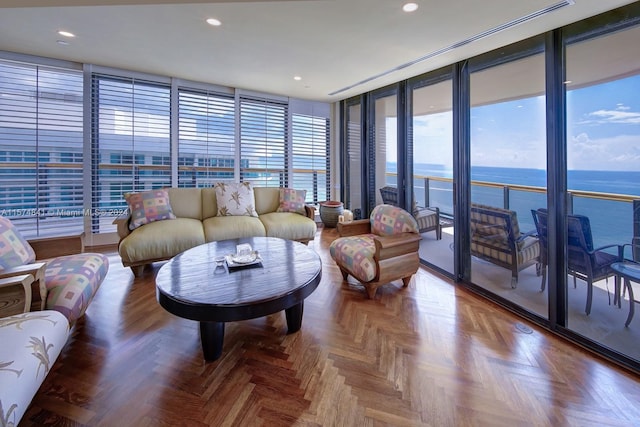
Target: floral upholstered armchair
(380,249)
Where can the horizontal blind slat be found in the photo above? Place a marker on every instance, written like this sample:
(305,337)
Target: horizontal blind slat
(41,147)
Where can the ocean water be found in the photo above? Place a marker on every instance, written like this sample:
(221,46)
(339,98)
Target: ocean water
(611,221)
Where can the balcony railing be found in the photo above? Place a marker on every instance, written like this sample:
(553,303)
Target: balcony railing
(615,218)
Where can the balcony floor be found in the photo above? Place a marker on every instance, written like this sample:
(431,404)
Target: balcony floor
(605,324)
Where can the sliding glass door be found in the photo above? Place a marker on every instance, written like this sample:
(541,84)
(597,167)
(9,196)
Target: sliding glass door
(508,174)
(383,164)
(603,179)
(431,141)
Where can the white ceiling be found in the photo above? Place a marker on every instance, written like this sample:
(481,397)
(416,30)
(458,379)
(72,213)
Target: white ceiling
(261,45)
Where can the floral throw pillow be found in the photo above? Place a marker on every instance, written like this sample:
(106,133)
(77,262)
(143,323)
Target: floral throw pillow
(292,200)
(148,206)
(235,199)
(14,249)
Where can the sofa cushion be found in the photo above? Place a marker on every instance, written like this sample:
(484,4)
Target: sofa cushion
(235,199)
(232,227)
(72,281)
(287,225)
(148,206)
(292,200)
(186,202)
(209,204)
(159,240)
(14,249)
(267,199)
(31,343)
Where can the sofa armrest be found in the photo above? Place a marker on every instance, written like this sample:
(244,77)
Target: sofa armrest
(122,224)
(15,294)
(310,211)
(353,228)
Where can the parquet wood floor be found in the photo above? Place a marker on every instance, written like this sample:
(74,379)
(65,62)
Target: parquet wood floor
(426,355)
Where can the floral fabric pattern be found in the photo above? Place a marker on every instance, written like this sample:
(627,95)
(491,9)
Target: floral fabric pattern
(292,201)
(14,249)
(148,206)
(235,199)
(31,344)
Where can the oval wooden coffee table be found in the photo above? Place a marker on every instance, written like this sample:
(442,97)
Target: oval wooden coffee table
(191,286)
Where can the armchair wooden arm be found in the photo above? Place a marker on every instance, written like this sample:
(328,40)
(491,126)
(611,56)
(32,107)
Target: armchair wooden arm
(310,211)
(15,294)
(122,224)
(396,257)
(38,290)
(354,228)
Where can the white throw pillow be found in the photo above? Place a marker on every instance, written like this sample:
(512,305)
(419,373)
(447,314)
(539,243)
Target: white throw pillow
(235,199)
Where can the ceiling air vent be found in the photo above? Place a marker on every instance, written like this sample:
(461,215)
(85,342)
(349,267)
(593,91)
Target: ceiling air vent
(461,43)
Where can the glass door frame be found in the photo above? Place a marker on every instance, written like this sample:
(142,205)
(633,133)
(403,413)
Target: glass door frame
(425,80)
(370,161)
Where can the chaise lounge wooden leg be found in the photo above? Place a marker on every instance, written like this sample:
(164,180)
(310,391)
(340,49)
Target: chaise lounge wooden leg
(371,291)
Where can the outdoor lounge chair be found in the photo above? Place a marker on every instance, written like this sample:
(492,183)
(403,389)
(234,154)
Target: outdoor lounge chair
(496,237)
(583,260)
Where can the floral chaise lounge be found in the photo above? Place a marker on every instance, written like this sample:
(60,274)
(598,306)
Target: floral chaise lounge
(39,302)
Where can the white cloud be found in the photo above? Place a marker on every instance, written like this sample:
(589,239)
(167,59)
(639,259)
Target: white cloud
(432,139)
(617,153)
(621,115)
(616,116)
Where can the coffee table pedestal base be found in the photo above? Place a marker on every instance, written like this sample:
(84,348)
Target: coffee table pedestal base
(294,317)
(212,333)
(212,338)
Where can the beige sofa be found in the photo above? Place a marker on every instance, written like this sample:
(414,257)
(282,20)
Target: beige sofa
(196,223)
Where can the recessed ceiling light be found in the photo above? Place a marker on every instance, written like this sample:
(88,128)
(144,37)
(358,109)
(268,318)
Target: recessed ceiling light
(297,78)
(213,21)
(66,33)
(410,7)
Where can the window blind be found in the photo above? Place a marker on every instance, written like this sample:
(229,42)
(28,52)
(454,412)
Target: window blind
(354,160)
(41,155)
(131,125)
(310,156)
(263,142)
(206,145)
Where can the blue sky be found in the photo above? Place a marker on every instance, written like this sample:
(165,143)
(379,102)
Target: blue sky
(603,131)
